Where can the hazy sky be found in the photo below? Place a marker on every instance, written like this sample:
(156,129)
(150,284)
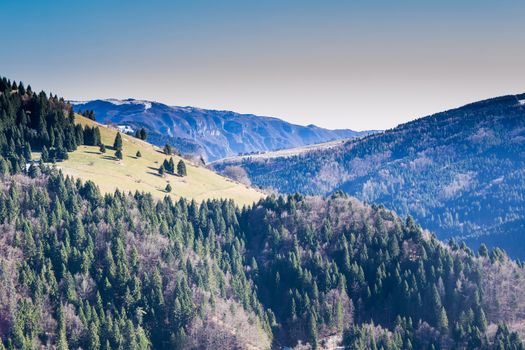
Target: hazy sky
(339,64)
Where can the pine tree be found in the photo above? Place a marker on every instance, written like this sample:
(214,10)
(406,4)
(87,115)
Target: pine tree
(443,321)
(480,319)
(168,188)
(94,338)
(138,154)
(21,89)
(71,116)
(171,164)
(312,330)
(181,168)
(102,148)
(141,134)
(166,165)
(118,154)
(117,144)
(167,150)
(44,156)
(96,137)
(33,171)
(483,251)
(61,334)
(4,167)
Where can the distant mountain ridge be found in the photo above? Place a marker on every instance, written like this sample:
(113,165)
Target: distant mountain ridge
(211,133)
(460,173)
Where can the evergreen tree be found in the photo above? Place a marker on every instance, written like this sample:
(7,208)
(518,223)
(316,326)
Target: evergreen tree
(168,188)
(117,144)
(44,156)
(62,343)
(33,171)
(94,336)
(443,321)
(312,331)
(181,168)
(97,139)
(141,134)
(138,154)
(102,148)
(118,154)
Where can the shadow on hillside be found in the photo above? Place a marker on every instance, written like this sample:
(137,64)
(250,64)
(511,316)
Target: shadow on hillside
(152,173)
(92,152)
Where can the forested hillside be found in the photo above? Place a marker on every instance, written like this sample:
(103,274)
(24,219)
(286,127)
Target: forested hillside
(460,173)
(82,270)
(37,127)
(31,121)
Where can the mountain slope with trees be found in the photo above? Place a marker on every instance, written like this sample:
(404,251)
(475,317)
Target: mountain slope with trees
(212,134)
(35,126)
(460,173)
(82,268)
(125,271)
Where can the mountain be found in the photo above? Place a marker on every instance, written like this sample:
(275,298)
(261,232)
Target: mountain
(212,134)
(86,267)
(460,173)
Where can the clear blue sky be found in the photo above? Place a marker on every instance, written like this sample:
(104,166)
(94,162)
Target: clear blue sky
(338,64)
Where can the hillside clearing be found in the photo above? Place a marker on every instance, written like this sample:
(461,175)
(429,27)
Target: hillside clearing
(132,173)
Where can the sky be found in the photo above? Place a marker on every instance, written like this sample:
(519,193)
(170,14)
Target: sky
(363,64)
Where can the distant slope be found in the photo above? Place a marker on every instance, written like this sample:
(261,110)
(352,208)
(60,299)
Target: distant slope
(132,173)
(461,173)
(213,134)
(288,152)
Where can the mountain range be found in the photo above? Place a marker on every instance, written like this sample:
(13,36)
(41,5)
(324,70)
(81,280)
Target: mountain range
(460,173)
(209,133)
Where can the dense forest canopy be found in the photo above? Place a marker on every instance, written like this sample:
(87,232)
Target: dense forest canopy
(123,271)
(460,173)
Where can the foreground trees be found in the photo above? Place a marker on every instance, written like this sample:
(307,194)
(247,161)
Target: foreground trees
(126,271)
(83,272)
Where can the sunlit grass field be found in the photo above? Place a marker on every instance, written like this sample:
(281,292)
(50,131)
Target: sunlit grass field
(132,173)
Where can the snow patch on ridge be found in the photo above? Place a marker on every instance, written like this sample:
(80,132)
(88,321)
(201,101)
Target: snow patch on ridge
(146,104)
(117,102)
(521,102)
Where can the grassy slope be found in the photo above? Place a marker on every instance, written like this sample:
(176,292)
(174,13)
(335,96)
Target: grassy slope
(141,174)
